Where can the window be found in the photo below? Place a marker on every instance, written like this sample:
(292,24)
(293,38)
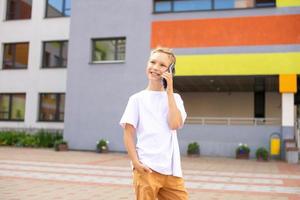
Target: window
(197,5)
(58,8)
(18,9)
(52,107)
(265,3)
(12,107)
(108,49)
(15,56)
(55,54)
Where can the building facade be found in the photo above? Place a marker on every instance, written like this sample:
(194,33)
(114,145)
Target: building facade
(237,69)
(34,45)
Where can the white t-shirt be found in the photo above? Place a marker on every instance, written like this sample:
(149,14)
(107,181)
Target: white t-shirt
(157,145)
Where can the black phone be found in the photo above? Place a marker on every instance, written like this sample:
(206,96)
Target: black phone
(172,71)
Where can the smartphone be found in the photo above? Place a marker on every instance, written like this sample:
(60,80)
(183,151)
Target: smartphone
(172,71)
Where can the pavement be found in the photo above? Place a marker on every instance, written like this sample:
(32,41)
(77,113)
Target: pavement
(44,174)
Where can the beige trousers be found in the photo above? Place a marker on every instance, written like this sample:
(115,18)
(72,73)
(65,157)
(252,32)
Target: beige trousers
(153,186)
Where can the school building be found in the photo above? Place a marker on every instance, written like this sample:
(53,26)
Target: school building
(72,65)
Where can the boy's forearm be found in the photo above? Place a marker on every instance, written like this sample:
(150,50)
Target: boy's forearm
(174,115)
(130,146)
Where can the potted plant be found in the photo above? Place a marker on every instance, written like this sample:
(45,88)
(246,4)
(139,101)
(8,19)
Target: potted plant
(102,146)
(193,149)
(262,154)
(61,145)
(242,151)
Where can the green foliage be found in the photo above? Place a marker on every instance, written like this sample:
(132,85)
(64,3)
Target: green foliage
(262,153)
(10,137)
(102,145)
(46,139)
(193,148)
(242,149)
(22,139)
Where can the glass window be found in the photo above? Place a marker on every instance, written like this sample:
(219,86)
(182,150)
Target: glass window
(231,4)
(52,107)
(108,49)
(265,3)
(162,6)
(58,8)
(12,107)
(55,54)
(16,56)
(18,9)
(194,5)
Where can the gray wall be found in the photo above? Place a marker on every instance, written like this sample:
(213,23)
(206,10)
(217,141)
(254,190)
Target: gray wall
(220,140)
(98,93)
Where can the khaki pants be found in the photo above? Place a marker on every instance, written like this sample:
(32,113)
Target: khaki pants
(152,186)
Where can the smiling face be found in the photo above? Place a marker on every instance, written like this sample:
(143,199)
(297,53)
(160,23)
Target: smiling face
(158,64)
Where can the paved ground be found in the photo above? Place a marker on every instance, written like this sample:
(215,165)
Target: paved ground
(43,174)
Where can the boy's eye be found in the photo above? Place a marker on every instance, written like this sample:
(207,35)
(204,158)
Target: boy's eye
(153,62)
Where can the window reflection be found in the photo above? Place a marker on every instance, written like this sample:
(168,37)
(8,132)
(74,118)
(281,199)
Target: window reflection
(58,8)
(108,49)
(15,56)
(4,107)
(228,4)
(18,107)
(55,54)
(194,5)
(18,9)
(52,107)
(12,107)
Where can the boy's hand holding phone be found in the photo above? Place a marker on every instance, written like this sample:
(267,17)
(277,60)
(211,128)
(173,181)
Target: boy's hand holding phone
(168,78)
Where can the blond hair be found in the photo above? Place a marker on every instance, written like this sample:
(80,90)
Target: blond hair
(167,51)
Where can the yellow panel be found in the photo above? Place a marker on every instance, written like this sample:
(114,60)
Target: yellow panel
(288,83)
(275,146)
(287,3)
(238,64)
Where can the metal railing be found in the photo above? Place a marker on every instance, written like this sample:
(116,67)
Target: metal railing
(297,132)
(233,121)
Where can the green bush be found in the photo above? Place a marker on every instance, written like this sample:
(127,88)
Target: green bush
(47,139)
(242,149)
(193,148)
(102,145)
(29,141)
(262,153)
(22,139)
(10,138)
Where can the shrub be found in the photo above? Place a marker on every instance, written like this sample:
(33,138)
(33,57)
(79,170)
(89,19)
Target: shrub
(193,148)
(102,145)
(262,153)
(242,149)
(22,139)
(47,139)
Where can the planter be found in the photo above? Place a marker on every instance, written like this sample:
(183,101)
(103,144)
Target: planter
(261,159)
(103,149)
(62,147)
(242,156)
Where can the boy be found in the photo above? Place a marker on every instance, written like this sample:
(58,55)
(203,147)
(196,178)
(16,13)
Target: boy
(153,115)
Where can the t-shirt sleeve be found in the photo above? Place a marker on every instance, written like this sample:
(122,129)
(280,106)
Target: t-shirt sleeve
(180,106)
(131,113)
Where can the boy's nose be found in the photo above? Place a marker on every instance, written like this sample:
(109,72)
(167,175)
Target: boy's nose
(156,66)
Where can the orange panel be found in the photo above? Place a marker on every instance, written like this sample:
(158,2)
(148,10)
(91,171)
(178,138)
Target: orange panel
(258,30)
(288,83)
